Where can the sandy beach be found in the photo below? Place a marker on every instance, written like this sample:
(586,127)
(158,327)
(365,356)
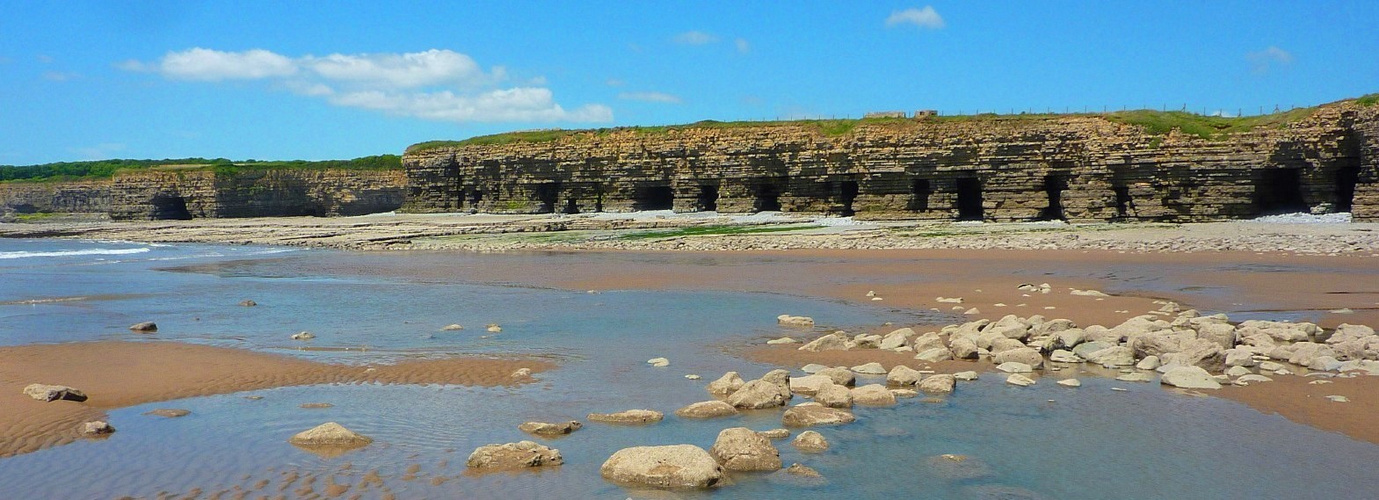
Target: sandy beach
(121,374)
(1322,271)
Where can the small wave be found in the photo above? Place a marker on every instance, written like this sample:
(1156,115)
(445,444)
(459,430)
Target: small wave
(69,253)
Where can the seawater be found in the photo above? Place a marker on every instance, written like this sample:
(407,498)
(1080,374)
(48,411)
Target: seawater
(1039,442)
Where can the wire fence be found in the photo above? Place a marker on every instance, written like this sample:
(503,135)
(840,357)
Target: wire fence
(1226,112)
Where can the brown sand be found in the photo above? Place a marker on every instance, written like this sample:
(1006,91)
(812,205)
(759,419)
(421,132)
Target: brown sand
(1294,398)
(120,374)
(914,279)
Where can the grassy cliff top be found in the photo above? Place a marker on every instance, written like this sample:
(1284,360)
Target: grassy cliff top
(1152,121)
(104,169)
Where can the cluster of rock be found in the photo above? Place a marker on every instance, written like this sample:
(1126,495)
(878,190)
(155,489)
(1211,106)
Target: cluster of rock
(1189,349)
(48,393)
(736,449)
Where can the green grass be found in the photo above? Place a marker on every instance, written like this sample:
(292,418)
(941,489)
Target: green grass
(710,230)
(1153,122)
(104,169)
(37,216)
(1206,127)
(830,128)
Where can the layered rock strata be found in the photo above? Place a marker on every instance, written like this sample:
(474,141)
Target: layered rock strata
(1015,168)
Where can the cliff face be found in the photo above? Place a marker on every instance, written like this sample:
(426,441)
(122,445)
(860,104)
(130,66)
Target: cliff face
(1079,168)
(196,193)
(48,197)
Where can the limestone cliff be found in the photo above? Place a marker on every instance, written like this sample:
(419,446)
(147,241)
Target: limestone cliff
(1076,167)
(202,192)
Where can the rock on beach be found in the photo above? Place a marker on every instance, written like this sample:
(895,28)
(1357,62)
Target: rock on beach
(672,466)
(810,442)
(44,392)
(96,428)
(517,455)
(144,327)
(707,409)
(550,429)
(743,449)
(635,417)
(329,434)
(808,416)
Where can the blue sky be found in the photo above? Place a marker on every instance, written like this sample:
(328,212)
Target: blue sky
(328,80)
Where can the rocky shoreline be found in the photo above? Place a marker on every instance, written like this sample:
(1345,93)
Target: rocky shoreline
(1180,349)
(655,231)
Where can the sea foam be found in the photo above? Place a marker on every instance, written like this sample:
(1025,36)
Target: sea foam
(69,253)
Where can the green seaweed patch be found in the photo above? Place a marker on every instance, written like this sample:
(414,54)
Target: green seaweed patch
(713,230)
(1368,100)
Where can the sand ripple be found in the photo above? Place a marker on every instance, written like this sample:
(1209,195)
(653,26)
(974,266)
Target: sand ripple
(120,374)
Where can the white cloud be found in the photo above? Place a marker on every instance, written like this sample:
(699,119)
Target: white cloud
(44,58)
(649,97)
(516,104)
(434,84)
(418,69)
(103,151)
(1266,59)
(614,82)
(60,76)
(695,38)
(742,45)
(924,18)
(214,65)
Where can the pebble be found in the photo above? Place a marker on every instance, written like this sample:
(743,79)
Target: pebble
(1338,398)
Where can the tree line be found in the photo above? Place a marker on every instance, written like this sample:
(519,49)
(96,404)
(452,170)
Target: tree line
(101,169)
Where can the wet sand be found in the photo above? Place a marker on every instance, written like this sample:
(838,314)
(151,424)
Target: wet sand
(986,279)
(120,374)
(914,279)
(1296,399)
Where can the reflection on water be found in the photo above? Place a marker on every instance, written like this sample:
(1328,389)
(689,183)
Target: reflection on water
(1044,441)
